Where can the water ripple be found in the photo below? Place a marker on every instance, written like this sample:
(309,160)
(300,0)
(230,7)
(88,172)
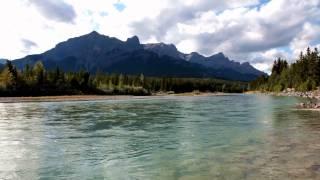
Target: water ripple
(222,137)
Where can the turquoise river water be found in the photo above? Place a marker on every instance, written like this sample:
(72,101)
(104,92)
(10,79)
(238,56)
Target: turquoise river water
(178,137)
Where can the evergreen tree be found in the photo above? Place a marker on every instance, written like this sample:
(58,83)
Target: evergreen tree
(36,80)
(39,72)
(303,75)
(12,76)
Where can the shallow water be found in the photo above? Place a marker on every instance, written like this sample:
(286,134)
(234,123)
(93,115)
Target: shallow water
(214,137)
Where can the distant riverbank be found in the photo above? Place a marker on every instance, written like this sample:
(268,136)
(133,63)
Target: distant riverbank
(59,98)
(97,97)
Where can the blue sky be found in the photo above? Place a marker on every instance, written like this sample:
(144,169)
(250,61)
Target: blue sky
(245,30)
(119,6)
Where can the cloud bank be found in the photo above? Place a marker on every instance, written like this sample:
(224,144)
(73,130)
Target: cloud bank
(247,30)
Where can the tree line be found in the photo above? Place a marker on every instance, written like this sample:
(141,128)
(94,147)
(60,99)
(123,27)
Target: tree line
(36,80)
(302,75)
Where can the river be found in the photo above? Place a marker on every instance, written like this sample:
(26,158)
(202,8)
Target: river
(203,137)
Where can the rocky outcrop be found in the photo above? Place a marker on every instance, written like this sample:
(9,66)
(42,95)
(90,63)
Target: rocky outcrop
(308,94)
(309,105)
(312,96)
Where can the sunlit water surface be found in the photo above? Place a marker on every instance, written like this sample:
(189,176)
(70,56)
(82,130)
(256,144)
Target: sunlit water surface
(214,137)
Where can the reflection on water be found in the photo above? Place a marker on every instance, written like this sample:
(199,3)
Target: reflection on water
(223,137)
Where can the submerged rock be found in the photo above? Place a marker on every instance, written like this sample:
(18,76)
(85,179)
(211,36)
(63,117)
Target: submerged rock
(309,105)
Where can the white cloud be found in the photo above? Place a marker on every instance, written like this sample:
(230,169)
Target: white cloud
(243,32)
(307,37)
(243,29)
(187,46)
(264,60)
(263,67)
(56,10)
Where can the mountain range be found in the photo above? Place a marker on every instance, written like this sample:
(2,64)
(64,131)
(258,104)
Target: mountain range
(99,53)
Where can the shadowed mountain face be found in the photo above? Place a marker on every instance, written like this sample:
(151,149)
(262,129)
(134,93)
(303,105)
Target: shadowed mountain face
(95,52)
(218,61)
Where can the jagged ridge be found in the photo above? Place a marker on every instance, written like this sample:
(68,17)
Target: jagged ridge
(95,52)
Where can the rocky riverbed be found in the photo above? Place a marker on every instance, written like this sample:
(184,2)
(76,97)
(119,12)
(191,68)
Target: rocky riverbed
(308,94)
(313,98)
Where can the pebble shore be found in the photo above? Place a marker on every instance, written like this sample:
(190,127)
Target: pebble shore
(312,96)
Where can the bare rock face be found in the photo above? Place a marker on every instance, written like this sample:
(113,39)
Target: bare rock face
(133,43)
(164,50)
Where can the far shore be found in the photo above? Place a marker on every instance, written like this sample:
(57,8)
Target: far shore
(97,97)
(60,98)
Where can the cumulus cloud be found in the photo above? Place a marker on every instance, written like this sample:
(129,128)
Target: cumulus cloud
(308,36)
(245,30)
(240,28)
(56,10)
(181,12)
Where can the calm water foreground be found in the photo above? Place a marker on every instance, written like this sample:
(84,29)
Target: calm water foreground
(215,137)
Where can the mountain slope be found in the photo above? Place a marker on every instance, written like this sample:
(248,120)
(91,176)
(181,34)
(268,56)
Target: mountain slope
(94,52)
(217,61)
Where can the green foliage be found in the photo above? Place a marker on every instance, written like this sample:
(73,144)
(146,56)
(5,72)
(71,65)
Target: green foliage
(37,81)
(303,75)
(39,73)
(278,66)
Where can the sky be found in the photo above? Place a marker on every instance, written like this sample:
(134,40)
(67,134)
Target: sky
(257,31)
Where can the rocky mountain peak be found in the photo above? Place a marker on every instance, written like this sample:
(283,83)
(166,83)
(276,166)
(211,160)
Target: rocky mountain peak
(164,49)
(133,40)
(219,56)
(94,33)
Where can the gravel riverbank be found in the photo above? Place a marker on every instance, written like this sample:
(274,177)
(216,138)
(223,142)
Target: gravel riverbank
(313,98)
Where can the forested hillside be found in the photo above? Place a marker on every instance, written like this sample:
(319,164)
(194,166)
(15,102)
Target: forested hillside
(302,75)
(37,81)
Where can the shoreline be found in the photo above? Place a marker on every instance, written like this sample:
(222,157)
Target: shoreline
(64,98)
(313,98)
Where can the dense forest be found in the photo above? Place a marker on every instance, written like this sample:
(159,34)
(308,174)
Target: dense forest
(37,81)
(302,75)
